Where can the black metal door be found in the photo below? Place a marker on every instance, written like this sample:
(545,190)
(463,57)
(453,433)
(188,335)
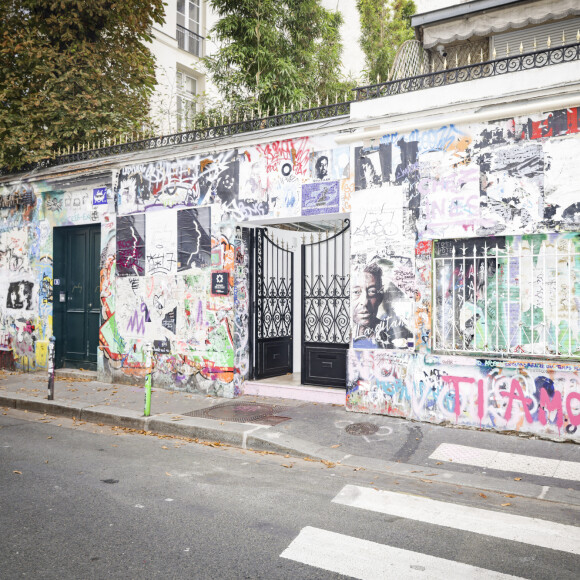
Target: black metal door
(273,274)
(325,308)
(77,252)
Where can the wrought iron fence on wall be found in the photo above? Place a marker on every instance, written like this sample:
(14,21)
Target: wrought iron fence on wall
(221,128)
(461,74)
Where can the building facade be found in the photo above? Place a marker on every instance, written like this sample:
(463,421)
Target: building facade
(417,255)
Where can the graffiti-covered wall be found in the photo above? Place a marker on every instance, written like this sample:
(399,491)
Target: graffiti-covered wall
(466,306)
(465,266)
(179,260)
(28,213)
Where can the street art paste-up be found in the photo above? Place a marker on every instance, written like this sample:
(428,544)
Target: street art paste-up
(131,255)
(320,198)
(161,242)
(193,238)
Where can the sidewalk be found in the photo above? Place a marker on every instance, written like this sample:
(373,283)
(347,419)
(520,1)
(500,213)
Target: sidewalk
(317,431)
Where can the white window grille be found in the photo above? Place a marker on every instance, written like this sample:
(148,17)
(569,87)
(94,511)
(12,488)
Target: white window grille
(185,100)
(516,295)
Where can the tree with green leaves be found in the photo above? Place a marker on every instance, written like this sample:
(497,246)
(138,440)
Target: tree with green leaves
(72,71)
(276,53)
(385,26)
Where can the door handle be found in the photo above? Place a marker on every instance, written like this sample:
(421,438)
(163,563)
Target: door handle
(327,363)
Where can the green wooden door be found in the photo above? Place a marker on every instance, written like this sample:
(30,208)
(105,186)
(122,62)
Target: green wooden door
(77,295)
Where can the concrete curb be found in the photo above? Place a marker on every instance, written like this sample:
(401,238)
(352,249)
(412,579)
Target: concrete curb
(259,438)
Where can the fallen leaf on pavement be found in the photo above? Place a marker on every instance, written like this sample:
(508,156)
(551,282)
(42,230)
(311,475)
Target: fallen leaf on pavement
(49,437)
(328,463)
(168,474)
(431,474)
(509,495)
(426,481)
(417,471)
(517,478)
(482,495)
(286,456)
(17,472)
(334,446)
(164,447)
(359,469)
(439,463)
(308,459)
(505,504)
(288,466)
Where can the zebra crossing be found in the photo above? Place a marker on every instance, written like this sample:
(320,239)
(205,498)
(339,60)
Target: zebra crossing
(491,459)
(367,560)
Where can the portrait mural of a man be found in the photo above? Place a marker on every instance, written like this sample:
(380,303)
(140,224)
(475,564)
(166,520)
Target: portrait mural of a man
(377,324)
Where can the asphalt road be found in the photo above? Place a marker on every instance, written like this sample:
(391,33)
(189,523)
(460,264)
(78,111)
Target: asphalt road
(88,501)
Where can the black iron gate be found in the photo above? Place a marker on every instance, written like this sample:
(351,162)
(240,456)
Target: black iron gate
(325,308)
(273,274)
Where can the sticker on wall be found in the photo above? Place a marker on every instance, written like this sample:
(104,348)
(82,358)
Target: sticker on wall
(162,346)
(131,245)
(100,196)
(322,197)
(220,283)
(193,238)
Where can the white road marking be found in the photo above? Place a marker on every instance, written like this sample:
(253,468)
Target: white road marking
(489,459)
(246,433)
(371,561)
(511,527)
(545,489)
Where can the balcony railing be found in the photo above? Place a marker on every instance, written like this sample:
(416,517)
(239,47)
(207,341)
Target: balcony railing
(190,41)
(492,68)
(220,128)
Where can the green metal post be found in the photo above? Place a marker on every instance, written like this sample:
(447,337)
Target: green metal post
(148,379)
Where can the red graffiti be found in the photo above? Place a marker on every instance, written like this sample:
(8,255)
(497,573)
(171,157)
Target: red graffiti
(562,122)
(423,248)
(294,151)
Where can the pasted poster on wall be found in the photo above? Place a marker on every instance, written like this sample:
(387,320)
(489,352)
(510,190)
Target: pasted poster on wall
(161,243)
(382,312)
(331,164)
(322,197)
(372,166)
(20,295)
(194,238)
(131,245)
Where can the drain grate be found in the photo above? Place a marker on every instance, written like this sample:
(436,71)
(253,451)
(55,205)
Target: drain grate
(361,428)
(238,412)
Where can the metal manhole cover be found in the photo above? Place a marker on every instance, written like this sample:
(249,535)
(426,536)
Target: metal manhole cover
(361,428)
(237,412)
